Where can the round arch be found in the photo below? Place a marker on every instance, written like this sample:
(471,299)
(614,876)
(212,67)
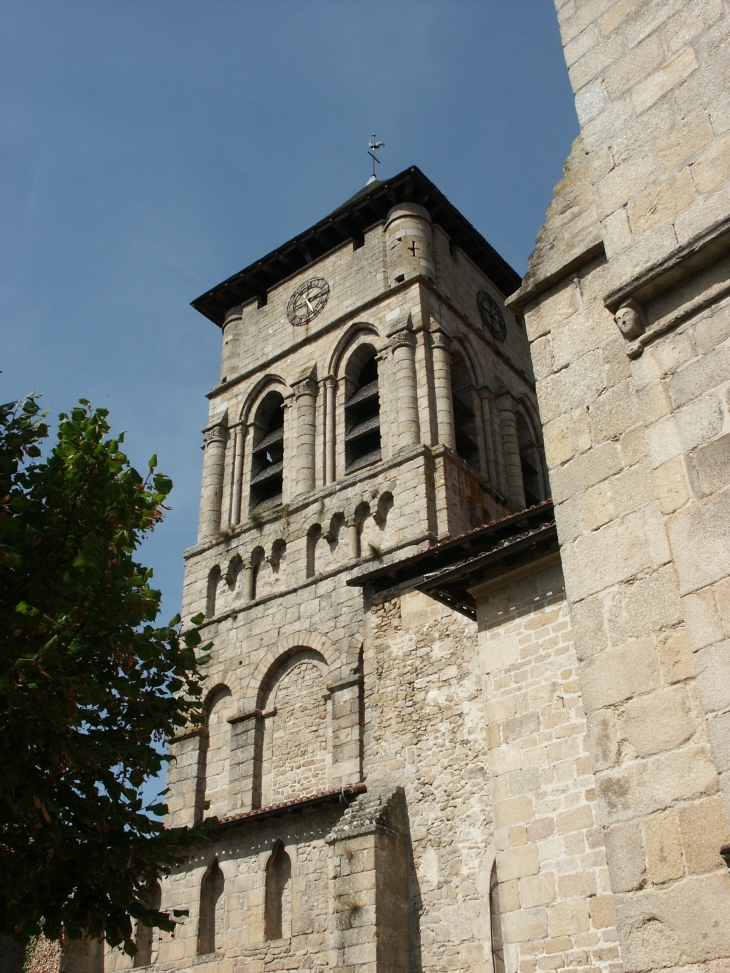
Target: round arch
(358,333)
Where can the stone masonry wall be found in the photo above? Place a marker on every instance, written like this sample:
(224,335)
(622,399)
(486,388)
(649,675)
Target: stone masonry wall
(487,736)
(242,857)
(634,425)
(555,893)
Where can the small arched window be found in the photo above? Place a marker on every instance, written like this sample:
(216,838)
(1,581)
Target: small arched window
(257,559)
(313,535)
(495,916)
(529,461)
(278,894)
(267,473)
(146,935)
(210,925)
(362,410)
(465,423)
(211,594)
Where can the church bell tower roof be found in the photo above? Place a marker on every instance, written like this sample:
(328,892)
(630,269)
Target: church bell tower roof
(366,208)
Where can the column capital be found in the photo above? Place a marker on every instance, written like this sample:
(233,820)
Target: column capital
(305,386)
(214,434)
(504,396)
(403,338)
(441,339)
(330,381)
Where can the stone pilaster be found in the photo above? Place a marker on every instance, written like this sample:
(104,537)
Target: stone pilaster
(489,444)
(185,777)
(371,931)
(403,344)
(305,392)
(346,732)
(441,344)
(239,444)
(244,784)
(214,447)
(511,450)
(330,391)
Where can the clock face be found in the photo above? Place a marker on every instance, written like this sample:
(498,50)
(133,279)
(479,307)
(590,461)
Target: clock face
(307,301)
(491,315)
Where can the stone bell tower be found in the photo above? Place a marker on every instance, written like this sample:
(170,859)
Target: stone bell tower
(375,398)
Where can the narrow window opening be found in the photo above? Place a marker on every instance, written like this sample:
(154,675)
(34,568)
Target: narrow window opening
(211,597)
(278,875)
(267,474)
(257,558)
(362,411)
(495,917)
(313,535)
(210,926)
(145,935)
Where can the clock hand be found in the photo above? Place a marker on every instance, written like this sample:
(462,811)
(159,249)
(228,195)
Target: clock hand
(306,301)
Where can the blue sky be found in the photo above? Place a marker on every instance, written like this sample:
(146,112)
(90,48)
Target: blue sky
(151,149)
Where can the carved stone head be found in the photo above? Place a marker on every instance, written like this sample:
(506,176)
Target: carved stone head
(630,319)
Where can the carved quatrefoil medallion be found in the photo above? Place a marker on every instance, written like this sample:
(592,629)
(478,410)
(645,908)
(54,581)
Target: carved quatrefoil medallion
(491,315)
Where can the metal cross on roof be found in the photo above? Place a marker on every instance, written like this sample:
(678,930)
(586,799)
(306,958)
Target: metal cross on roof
(372,148)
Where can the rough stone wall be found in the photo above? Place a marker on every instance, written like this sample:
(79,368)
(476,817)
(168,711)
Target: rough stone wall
(425,730)
(487,736)
(634,423)
(295,738)
(554,888)
(242,857)
(650,84)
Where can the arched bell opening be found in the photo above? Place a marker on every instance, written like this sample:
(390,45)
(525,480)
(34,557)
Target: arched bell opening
(267,471)
(465,421)
(362,410)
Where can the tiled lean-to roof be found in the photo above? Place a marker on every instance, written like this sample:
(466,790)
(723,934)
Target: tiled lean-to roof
(447,570)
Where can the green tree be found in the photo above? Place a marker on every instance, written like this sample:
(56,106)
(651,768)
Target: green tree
(90,688)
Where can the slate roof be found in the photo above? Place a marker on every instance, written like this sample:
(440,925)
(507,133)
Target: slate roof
(349,222)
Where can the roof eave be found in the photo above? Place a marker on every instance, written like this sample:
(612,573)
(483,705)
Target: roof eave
(350,222)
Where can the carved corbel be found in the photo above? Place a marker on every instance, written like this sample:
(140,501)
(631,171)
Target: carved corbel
(631,319)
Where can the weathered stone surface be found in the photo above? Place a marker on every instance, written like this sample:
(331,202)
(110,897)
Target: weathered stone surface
(563,763)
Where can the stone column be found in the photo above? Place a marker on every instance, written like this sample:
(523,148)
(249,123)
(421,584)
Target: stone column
(305,392)
(441,343)
(489,445)
(403,344)
(248,579)
(240,439)
(501,482)
(330,391)
(510,445)
(214,448)
(353,537)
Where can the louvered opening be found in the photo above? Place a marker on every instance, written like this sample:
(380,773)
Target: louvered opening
(465,423)
(362,413)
